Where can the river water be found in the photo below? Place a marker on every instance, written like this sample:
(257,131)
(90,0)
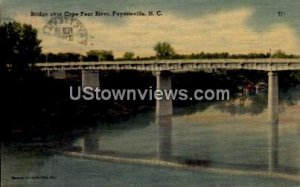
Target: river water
(225,143)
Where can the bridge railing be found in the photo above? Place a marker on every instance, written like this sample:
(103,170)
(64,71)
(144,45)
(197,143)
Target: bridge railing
(174,61)
(177,65)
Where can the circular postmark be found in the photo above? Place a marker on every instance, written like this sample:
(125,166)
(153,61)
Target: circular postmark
(68,28)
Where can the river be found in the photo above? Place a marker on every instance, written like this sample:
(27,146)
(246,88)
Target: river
(228,143)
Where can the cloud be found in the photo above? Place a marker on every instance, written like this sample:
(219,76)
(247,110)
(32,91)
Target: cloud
(225,31)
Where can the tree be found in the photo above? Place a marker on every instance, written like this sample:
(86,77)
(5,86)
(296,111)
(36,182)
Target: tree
(128,55)
(164,50)
(281,54)
(19,46)
(99,55)
(60,57)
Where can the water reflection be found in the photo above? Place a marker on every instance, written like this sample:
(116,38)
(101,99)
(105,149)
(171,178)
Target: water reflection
(263,146)
(91,143)
(242,104)
(273,146)
(208,138)
(164,137)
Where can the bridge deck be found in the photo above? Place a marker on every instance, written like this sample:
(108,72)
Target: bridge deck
(178,65)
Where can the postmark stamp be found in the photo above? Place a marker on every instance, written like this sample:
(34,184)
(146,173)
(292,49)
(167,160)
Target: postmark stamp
(67,28)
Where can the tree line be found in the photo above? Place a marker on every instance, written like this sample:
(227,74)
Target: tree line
(20,48)
(163,50)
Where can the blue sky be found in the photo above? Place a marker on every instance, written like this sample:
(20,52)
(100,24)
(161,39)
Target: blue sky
(190,26)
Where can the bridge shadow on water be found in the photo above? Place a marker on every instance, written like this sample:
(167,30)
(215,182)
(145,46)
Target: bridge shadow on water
(165,154)
(119,132)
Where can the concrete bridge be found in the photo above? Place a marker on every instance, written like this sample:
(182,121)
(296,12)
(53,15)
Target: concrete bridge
(178,65)
(90,73)
(162,69)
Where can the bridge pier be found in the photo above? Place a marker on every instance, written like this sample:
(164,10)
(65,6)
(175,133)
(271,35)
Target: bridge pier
(273,119)
(164,111)
(273,97)
(61,74)
(90,78)
(164,107)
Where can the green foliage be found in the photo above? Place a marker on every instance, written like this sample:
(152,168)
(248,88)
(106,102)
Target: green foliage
(295,75)
(60,57)
(164,50)
(99,55)
(19,46)
(282,54)
(128,55)
(223,55)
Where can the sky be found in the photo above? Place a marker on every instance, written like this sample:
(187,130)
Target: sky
(234,26)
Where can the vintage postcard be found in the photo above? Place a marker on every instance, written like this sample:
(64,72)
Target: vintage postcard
(150,93)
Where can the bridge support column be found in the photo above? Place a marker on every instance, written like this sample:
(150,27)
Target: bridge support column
(90,78)
(61,74)
(164,107)
(273,97)
(164,111)
(273,118)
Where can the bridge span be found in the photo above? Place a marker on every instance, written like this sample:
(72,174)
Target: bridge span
(266,64)
(163,69)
